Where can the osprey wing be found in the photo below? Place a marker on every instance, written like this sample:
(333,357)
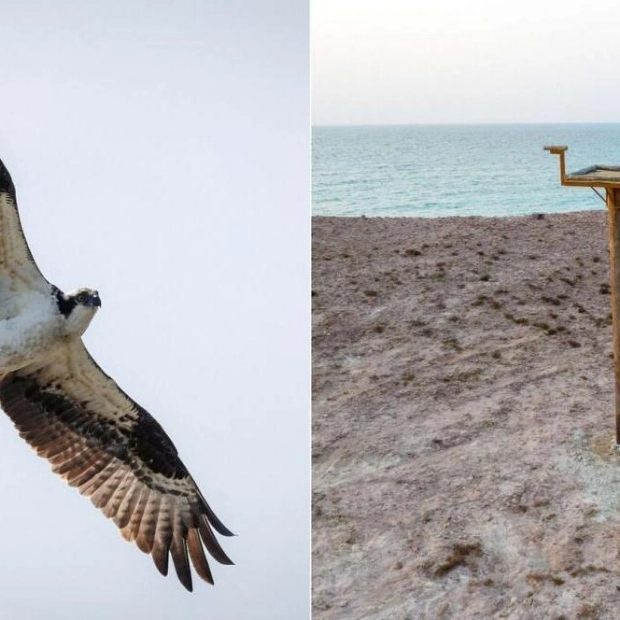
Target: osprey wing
(114,452)
(18,270)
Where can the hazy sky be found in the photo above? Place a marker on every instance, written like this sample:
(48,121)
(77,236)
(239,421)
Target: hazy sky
(414,61)
(160,155)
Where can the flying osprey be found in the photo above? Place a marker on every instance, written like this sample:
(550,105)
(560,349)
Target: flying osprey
(73,414)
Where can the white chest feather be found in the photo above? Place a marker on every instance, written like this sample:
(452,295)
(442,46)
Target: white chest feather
(30,326)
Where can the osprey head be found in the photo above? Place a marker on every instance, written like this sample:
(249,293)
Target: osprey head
(78,308)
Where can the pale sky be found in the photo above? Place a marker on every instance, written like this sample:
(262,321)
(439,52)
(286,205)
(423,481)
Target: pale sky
(479,61)
(160,155)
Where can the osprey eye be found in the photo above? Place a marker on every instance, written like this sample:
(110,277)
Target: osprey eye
(81,298)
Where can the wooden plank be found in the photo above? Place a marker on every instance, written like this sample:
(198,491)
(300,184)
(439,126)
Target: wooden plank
(613,206)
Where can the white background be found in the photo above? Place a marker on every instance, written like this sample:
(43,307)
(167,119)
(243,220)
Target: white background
(160,155)
(455,61)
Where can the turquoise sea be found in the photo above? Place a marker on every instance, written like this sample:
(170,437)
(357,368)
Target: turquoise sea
(441,170)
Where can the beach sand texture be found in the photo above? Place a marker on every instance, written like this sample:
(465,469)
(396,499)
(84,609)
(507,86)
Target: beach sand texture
(463,419)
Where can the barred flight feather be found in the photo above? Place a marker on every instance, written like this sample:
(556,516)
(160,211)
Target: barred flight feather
(132,473)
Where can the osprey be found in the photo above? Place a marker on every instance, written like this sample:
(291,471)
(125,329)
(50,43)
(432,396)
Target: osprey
(73,414)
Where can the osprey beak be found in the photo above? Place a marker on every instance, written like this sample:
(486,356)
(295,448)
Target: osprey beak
(95,300)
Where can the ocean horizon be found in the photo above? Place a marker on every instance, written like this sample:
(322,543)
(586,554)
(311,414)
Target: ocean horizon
(440,170)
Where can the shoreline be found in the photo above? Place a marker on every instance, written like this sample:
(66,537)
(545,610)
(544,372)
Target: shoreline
(463,417)
(465,216)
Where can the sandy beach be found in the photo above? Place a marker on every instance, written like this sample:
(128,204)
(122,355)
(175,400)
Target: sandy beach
(463,419)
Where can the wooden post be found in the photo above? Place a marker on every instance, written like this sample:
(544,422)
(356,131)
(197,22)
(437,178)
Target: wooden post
(559,150)
(613,204)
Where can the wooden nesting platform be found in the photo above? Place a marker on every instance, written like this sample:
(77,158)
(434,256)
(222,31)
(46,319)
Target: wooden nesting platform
(593,176)
(596,176)
(609,178)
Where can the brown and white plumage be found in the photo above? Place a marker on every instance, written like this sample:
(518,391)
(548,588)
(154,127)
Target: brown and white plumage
(73,414)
